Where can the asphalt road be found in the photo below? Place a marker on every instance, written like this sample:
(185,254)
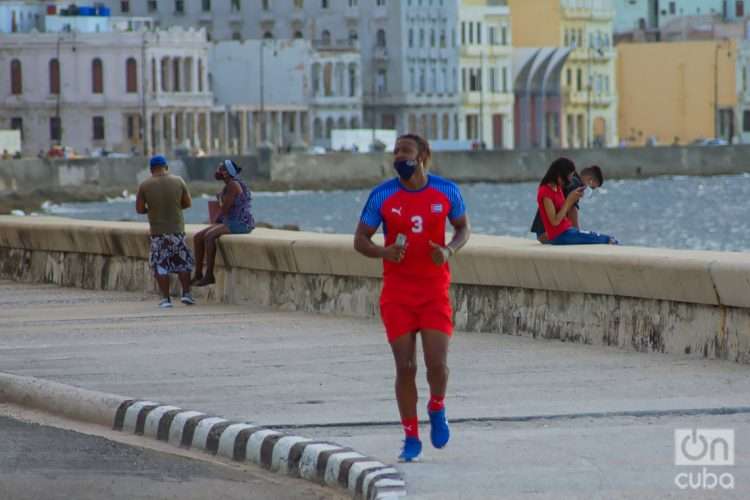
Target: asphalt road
(46,463)
(610,415)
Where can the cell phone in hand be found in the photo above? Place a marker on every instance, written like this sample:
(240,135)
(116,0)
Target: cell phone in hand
(401,240)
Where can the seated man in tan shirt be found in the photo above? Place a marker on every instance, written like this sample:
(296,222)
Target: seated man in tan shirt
(163,197)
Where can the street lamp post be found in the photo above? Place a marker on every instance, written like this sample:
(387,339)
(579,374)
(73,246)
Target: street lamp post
(262,96)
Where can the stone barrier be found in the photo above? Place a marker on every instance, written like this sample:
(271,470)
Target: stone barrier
(648,300)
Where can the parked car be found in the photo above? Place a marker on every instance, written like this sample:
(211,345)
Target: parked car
(709,142)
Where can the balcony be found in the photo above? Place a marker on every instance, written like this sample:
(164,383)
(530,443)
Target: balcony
(380,53)
(340,45)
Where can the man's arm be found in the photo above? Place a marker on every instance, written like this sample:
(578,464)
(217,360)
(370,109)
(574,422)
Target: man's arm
(186,201)
(461,233)
(363,244)
(140,203)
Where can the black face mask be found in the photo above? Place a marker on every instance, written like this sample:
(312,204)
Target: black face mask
(218,176)
(405,168)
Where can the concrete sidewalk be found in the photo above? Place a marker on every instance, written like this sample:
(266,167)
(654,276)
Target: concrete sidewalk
(290,369)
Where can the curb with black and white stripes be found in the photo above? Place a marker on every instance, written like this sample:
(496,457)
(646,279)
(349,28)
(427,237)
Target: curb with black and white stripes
(320,461)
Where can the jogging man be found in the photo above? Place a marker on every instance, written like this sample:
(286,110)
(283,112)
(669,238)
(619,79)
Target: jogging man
(163,197)
(413,209)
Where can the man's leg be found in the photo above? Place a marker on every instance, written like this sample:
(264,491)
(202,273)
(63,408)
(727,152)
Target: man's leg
(435,346)
(163,281)
(185,281)
(404,354)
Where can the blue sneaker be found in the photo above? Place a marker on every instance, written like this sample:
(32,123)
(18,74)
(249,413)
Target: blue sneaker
(440,433)
(411,451)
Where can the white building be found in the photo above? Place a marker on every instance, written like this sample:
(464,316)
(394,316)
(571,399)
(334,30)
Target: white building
(89,90)
(486,76)
(407,52)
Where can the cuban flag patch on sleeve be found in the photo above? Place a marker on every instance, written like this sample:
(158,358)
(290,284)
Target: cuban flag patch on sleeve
(436,208)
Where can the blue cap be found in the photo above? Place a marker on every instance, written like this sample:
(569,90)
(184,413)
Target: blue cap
(157,161)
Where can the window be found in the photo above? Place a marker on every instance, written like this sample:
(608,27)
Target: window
(325,37)
(463,80)
(16,123)
(264,4)
(493,80)
(411,38)
(412,80)
(298,4)
(745,121)
(352,3)
(236,36)
(236,6)
(97,76)
(200,75)
(206,5)
(131,76)
(739,7)
(579,78)
(152,7)
(569,77)
(463,33)
(432,38)
(353,37)
(672,8)
(16,77)
(380,39)
(131,127)
(433,80)
(471,33)
(124,6)
(382,82)
(380,3)
(492,35)
(479,33)
(98,128)
(505,79)
(268,35)
(298,35)
(324,4)
(179,6)
(54,76)
(443,39)
(503,35)
(55,129)
(422,82)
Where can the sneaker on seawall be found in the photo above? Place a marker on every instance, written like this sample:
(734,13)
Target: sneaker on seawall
(165,303)
(411,450)
(187,299)
(440,433)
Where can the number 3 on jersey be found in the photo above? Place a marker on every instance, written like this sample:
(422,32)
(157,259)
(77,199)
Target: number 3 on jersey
(417,224)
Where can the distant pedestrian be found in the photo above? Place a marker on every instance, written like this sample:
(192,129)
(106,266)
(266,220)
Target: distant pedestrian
(590,177)
(413,209)
(163,197)
(554,207)
(235,218)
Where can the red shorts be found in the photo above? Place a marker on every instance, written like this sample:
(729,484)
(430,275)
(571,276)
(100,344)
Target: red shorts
(408,307)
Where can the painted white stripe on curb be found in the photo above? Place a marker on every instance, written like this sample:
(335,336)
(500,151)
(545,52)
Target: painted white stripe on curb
(280,457)
(228,437)
(357,469)
(255,442)
(178,425)
(131,415)
(200,436)
(372,475)
(334,466)
(308,464)
(151,429)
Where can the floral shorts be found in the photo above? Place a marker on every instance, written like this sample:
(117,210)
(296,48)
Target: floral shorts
(170,254)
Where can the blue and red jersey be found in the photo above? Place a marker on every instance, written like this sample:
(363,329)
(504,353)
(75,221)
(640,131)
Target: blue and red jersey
(419,215)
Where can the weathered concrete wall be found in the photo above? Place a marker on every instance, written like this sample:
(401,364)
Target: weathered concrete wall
(31,174)
(647,300)
(519,166)
(344,169)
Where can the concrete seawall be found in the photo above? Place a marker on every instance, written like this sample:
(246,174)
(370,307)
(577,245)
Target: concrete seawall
(298,170)
(647,300)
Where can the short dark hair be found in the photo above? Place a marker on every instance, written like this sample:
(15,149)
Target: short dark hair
(558,171)
(595,172)
(423,147)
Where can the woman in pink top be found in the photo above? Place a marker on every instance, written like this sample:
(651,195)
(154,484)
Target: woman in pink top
(554,207)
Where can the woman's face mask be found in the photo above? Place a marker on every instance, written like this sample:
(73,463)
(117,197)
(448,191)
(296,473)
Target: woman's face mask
(405,168)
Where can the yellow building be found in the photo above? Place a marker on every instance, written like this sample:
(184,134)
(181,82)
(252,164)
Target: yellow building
(669,91)
(486,73)
(589,100)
